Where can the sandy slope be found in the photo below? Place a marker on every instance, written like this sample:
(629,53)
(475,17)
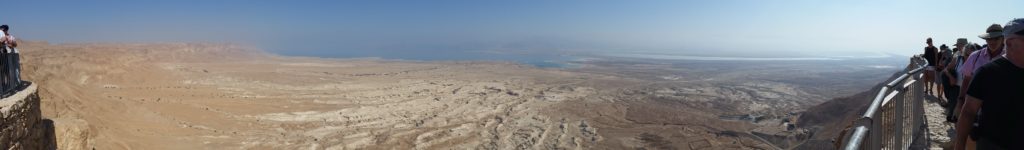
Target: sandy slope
(210,96)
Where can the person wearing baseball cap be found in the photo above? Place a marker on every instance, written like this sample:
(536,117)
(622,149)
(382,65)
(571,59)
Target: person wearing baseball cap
(994,97)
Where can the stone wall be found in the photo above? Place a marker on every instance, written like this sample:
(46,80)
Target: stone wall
(21,122)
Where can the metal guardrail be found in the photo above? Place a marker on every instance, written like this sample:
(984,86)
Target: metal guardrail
(10,72)
(895,116)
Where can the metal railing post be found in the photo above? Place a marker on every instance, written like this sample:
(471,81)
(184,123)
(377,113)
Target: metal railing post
(898,119)
(919,89)
(877,130)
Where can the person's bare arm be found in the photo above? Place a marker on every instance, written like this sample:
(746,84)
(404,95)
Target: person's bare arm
(965,124)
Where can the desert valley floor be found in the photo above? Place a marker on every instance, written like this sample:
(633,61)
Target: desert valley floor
(215,96)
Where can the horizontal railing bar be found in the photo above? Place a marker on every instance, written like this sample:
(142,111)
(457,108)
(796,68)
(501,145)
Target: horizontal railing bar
(857,137)
(883,97)
(889,97)
(898,80)
(881,93)
(875,103)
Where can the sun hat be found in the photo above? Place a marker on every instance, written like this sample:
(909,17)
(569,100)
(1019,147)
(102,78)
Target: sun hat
(993,31)
(961,41)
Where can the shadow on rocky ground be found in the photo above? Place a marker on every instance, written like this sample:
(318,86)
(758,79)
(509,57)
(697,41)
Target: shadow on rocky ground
(51,137)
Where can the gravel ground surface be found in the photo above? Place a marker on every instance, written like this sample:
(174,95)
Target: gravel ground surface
(940,132)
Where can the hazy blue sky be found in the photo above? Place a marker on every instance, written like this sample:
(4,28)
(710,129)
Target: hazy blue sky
(819,27)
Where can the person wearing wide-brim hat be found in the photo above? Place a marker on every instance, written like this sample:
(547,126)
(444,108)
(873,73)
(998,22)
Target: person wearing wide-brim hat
(960,42)
(951,78)
(993,36)
(991,113)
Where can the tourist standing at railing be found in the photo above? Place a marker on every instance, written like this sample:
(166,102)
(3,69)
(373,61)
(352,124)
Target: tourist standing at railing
(953,76)
(968,50)
(995,98)
(993,38)
(14,57)
(4,88)
(930,55)
(950,76)
(940,65)
(978,58)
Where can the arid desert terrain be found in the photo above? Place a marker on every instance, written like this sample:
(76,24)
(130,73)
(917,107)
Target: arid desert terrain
(219,96)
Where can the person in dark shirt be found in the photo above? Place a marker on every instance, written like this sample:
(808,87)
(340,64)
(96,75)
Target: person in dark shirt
(995,97)
(930,55)
(14,57)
